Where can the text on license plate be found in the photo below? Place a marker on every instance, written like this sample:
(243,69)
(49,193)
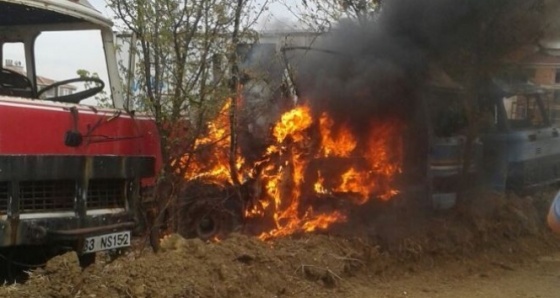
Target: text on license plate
(107,241)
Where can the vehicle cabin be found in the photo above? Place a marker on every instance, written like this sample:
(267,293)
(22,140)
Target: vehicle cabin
(70,174)
(22,23)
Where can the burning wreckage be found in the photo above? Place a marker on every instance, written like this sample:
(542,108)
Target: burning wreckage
(307,165)
(367,118)
(304,167)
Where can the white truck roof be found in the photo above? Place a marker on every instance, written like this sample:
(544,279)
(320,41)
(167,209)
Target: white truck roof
(21,12)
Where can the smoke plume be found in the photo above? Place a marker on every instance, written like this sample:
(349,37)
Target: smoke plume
(381,67)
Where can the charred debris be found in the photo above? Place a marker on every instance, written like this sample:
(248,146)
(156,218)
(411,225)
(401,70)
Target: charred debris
(407,109)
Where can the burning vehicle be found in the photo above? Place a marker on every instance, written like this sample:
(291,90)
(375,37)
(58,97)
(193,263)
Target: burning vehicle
(70,174)
(309,173)
(320,165)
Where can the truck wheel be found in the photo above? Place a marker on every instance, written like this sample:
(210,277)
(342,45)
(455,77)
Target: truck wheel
(86,260)
(207,227)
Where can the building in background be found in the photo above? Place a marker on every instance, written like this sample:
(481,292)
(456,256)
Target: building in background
(42,82)
(541,65)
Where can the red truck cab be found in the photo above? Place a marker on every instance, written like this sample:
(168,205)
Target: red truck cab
(70,174)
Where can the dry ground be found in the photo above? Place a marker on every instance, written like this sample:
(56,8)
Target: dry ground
(501,249)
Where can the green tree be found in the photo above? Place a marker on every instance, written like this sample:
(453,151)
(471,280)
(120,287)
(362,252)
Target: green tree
(187,69)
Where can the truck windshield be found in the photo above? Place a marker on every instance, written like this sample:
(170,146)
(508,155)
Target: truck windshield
(81,55)
(524,112)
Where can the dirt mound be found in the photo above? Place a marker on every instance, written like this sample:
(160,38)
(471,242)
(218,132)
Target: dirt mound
(495,231)
(237,267)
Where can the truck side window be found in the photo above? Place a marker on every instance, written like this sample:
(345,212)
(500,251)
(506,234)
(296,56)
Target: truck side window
(14,57)
(13,75)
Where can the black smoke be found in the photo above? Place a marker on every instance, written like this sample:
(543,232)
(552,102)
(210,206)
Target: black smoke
(382,67)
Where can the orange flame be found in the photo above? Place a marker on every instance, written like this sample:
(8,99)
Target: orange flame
(382,162)
(293,123)
(292,178)
(211,161)
(341,143)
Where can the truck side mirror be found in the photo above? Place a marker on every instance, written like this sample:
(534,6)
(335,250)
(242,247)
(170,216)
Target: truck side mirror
(126,59)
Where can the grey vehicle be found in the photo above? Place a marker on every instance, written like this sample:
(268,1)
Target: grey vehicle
(521,147)
(517,148)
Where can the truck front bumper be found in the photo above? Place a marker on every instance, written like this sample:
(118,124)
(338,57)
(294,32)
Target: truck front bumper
(59,200)
(67,231)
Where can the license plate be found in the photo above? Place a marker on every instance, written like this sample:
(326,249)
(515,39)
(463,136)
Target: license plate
(107,241)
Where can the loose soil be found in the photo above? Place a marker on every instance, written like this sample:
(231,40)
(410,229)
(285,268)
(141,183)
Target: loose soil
(497,247)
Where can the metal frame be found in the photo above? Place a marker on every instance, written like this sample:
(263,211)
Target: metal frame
(82,10)
(92,20)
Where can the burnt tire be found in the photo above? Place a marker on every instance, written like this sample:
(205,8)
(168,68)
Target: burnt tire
(218,224)
(208,226)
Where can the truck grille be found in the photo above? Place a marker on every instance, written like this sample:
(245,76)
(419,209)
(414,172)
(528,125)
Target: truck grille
(4,196)
(56,195)
(59,195)
(106,193)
